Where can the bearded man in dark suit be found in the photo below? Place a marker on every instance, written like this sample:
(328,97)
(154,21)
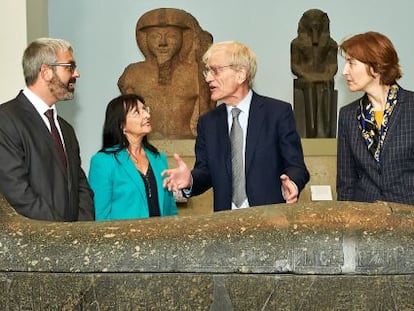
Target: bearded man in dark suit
(40,173)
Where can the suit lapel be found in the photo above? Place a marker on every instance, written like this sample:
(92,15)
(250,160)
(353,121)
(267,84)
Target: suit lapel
(394,116)
(38,126)
(256,117)
(131,171)
(223,139)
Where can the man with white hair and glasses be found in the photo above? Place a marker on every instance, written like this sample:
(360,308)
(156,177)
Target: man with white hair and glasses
(247,148)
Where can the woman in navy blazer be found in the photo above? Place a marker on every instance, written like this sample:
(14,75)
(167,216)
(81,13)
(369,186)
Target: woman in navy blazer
(125,174)
(375,132)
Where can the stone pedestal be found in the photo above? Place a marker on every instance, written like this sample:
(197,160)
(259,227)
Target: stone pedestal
(320,159)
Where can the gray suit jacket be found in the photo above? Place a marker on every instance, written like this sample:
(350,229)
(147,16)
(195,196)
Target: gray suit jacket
(32,178)
(359,176)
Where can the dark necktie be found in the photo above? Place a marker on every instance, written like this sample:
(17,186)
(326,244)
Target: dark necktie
(236,140)
(56,137)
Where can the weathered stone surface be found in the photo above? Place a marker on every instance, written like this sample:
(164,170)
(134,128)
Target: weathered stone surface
(222,292)
(315,256)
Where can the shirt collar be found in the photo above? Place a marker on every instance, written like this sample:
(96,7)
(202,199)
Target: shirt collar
(243,105)
(37,102)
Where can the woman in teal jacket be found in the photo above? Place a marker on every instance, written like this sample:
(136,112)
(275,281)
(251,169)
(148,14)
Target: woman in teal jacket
(125,174)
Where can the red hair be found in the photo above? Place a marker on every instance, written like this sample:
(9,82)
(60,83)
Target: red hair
(377,51)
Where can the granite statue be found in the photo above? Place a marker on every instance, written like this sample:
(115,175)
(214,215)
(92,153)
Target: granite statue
(314,62)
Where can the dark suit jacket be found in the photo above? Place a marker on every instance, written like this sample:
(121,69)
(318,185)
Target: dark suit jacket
(273,147)
(32,177)
(359,177)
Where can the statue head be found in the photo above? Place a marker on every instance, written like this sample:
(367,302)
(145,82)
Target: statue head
(314,25)
(165,33)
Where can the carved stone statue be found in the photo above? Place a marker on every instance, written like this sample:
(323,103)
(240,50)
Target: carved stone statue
(170,79)
(314,62)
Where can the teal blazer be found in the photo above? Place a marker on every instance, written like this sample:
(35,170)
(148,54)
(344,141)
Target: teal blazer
(119,189)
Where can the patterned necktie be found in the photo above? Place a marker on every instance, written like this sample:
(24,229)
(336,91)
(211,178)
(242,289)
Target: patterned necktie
(56,137)
(236,140)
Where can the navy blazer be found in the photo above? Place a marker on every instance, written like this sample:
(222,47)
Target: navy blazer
(32,177)
(273,148)
(359,176)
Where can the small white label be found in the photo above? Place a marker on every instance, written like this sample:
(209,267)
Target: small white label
(321,193)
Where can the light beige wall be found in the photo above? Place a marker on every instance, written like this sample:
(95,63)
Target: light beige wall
(21,21)
(320,159)
(13,37)
(37,19)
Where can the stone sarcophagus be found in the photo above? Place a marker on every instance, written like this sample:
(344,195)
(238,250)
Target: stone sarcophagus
(315,256)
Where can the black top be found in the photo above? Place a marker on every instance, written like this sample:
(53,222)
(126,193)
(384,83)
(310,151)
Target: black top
(152,193)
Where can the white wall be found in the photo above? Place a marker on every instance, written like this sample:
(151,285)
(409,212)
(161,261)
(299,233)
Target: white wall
(103,35)
(13,39)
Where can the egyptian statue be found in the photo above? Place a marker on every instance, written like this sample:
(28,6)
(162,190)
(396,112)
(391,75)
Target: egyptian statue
(170,78)
(314,62)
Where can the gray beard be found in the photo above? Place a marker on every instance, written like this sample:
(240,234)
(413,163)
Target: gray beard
(59,89)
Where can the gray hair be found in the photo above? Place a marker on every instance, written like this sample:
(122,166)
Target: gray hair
(240,56)
(39,52)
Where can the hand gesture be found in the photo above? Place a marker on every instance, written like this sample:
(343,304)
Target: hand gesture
(289,189)
(177,178)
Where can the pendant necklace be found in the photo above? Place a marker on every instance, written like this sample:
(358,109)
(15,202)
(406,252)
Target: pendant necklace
(145,177)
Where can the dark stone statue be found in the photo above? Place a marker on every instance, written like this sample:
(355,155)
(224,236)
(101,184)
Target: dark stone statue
(170,79)
(314,62)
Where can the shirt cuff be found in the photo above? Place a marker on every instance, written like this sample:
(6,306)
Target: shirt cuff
(187,191)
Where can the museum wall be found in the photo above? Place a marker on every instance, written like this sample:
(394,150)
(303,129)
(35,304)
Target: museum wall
(13,38)
(103,34)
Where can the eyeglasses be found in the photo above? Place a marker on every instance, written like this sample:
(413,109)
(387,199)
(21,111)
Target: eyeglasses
(147,109)
(71,66)
(136,112)
(214,70)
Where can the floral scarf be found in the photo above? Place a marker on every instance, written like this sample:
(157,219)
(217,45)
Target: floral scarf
(373,136)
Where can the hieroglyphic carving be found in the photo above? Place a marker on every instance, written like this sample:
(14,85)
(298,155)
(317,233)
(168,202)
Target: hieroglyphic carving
(251,260)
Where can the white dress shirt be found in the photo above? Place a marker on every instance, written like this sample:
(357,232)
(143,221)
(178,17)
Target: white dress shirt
(41,107)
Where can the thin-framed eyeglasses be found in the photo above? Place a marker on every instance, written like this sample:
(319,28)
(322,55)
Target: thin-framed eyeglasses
(137,112)
(71,66)
(214,70)
(147,109)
